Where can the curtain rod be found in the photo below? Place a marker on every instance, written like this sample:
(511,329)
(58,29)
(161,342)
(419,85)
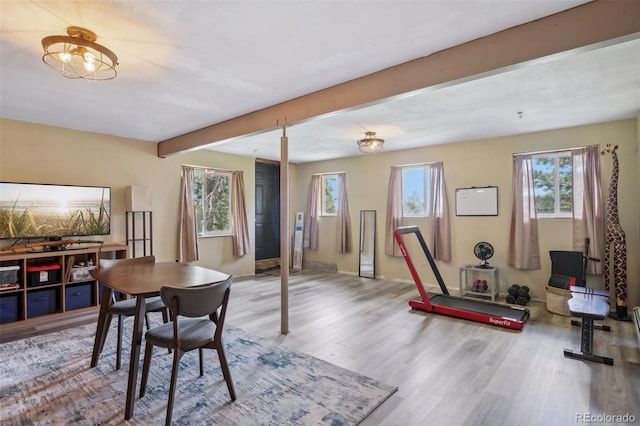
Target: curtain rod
(327,173)
(207,168)
(551,151)
(416,164)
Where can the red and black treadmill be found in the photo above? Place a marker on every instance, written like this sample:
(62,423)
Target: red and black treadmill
(459,307)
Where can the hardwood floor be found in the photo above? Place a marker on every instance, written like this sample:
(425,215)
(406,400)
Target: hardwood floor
(448,371)
(48,324)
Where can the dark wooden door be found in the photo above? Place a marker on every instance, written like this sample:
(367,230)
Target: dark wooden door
(267,211)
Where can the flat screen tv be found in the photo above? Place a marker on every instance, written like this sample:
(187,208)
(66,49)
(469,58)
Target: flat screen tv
(30,210)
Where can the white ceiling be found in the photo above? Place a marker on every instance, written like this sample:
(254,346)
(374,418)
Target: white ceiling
(185,65)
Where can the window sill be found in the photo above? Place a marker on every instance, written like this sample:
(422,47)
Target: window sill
(555,217)
(215,235)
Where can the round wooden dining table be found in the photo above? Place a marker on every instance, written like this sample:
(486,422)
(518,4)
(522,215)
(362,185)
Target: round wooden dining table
(142,280)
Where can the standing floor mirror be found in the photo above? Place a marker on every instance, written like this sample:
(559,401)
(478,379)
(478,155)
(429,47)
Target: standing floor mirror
(367,244)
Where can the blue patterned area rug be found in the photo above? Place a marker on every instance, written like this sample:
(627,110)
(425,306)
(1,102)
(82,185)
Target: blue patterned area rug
(47,380)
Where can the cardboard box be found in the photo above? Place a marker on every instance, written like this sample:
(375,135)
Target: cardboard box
(556,299)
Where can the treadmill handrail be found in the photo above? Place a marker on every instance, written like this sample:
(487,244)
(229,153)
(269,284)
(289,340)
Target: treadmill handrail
(414,229)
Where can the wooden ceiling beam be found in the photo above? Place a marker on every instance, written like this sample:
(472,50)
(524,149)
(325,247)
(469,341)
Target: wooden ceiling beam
(590,25)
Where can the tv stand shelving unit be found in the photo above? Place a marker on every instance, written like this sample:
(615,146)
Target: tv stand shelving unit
(59,301)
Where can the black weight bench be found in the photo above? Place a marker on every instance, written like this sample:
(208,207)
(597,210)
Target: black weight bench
(589,304)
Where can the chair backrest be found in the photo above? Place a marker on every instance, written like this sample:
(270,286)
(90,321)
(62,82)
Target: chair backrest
(197,301)
(112,263)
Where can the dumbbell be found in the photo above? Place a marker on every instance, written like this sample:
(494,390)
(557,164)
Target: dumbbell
(512,297)
(523,295)
(476,285)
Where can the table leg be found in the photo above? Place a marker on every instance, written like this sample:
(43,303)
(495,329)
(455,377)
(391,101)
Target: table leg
(136,343)
(103,325)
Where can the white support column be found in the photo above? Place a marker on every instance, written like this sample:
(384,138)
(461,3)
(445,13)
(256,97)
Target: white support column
(284,231)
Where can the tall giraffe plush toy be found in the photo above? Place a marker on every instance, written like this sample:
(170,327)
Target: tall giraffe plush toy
(616,243)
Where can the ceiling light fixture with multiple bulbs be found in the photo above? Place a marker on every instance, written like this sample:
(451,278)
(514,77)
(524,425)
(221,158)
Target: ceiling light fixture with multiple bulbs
(370,144)
(77,55)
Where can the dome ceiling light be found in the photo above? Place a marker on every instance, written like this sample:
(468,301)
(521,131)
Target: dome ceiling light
(370,144)
(77,55)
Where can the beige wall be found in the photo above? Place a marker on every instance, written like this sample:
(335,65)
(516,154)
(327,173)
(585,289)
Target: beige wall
(36,153)
(481,163)
(43,154)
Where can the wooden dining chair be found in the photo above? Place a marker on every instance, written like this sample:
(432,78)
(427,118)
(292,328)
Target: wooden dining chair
(127,307)
(189,330)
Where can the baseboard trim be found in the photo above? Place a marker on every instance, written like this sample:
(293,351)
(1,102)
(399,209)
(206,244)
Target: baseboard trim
(320,266)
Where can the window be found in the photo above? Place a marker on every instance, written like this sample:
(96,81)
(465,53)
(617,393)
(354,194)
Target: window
(212,201)
(329,195)
(553,185)
(415,191)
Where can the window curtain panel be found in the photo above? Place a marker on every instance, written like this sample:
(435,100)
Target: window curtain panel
(311,219)
(343,226)
(394,212)
(439,214)
(588,210)
(188,250)
(241,244)
(524,251)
